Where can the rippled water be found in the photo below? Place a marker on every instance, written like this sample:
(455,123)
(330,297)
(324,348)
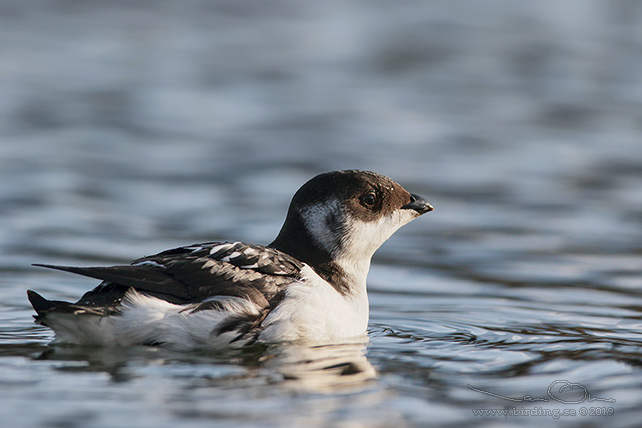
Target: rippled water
(127,130)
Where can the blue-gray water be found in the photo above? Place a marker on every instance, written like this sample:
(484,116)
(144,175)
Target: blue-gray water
(130,128)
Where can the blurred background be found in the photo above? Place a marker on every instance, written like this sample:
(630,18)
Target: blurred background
(201,118)
(130,127)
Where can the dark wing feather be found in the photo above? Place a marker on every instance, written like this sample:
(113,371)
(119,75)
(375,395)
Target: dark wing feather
(190,274)
(142,278)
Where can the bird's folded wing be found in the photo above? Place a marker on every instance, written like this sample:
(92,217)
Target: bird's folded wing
(191,274)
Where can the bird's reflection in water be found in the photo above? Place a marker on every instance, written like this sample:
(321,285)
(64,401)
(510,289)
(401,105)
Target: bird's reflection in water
(315,368)
(321,368)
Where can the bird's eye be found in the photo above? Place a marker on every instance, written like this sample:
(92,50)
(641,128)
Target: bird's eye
(369,199)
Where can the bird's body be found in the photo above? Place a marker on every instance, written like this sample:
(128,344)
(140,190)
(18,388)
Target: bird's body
(309,285)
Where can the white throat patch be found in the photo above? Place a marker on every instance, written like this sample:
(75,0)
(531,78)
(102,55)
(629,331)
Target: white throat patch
(351,242)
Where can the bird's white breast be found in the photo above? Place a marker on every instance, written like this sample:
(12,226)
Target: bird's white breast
(313,311)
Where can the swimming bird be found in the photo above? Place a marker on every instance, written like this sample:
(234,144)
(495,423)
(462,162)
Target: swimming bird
(308,285)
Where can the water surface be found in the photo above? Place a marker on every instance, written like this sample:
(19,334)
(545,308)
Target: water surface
(127,130)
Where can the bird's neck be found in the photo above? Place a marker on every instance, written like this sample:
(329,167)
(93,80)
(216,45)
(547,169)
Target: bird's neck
(346,275)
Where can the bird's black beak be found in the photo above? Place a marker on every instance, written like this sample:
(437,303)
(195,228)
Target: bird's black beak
(418,204)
